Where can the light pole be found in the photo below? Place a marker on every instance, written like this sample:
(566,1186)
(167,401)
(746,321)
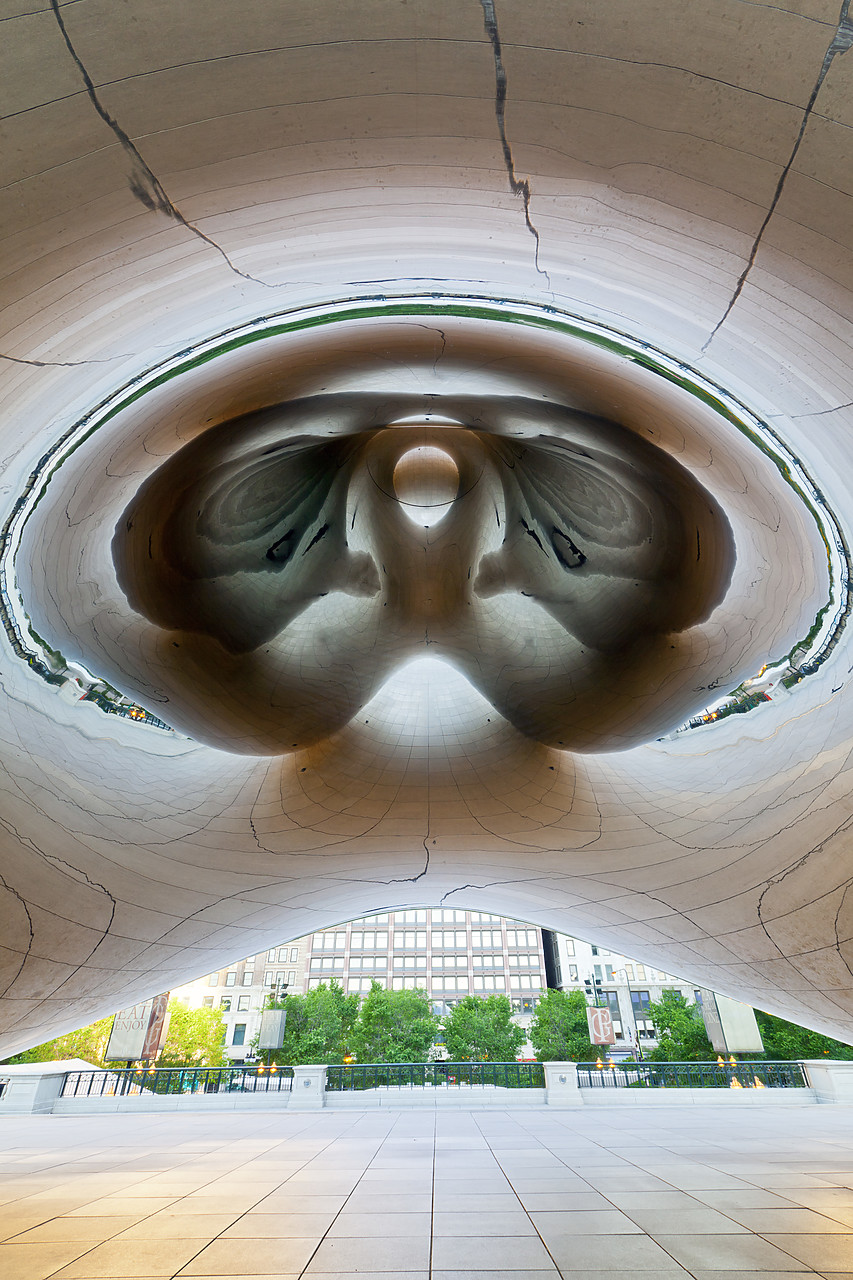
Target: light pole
(633,1014)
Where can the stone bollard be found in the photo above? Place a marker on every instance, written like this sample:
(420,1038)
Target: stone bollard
(561,1084)
(309,1088)
(831,1079)
(32,1088)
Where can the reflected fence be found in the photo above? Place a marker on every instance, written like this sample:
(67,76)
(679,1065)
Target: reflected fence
(691,1075)
(441,1075)
(135,1081)
(417,1082)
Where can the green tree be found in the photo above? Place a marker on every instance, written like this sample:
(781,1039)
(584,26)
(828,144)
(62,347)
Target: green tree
(194,1038)
(394,1026)
(789,1042)
(318,1025)
(88,1043)
(481,1028)
(559,1031)
(680,1030)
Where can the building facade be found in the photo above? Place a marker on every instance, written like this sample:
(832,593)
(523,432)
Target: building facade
(448,953)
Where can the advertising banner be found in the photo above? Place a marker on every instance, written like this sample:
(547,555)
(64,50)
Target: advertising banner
(130,1027)
(731,1026)
(272,1029)
(156,1032)
(600,1026)
(137,1031)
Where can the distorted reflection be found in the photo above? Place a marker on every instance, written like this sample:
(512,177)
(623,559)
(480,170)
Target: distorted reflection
(298,555)
(426,482)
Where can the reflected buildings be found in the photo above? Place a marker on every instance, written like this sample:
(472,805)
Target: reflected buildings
(450,954)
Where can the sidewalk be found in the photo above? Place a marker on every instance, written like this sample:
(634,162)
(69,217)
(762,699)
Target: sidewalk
(713,1194)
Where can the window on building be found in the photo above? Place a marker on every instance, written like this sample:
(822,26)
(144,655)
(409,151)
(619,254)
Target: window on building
(569,946)
(522,938)
(368,940)
(573,973)
(449,938)
(269,978)
(611,1000)
(629,972)
(248,977)
(640,1001)
(294,955)
(409,938)
(488,961)
(332,941)
(231,979)
(642,1014)
(489,982)
(485,938)
(449,983)
(207,1002)
(380,919)
(291,977)
(282,955)
(271,956)
(225,1003)
(363,984)
(213,980)
(482,917)
(243,1004)
(239,1036)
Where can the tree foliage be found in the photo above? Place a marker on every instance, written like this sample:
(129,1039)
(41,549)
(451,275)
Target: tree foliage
(790,1042)
(559,1031)
(88,1043)
(318,1026)
(194,1038)
(394,1026)
(680,1030)
(481,1028)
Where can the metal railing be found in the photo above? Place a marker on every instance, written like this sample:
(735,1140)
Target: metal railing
(691,1075)
(133,1081)
(443,1075)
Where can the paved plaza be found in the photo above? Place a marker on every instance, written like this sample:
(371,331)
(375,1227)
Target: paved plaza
(694,1191)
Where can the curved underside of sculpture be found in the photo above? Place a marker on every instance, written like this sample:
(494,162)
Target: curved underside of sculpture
(434,421)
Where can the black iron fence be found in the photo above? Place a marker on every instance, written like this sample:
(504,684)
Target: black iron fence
(443,1075)
(691,1075)
(130,1081)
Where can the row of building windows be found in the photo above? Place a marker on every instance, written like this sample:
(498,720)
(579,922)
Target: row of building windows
(444,939)
(336,964)
(437,915)
(278,978)
(243,1003)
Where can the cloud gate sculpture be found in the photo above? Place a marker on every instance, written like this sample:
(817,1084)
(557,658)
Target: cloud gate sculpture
(426,477)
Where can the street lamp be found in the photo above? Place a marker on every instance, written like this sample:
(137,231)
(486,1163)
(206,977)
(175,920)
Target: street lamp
(633,1014)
